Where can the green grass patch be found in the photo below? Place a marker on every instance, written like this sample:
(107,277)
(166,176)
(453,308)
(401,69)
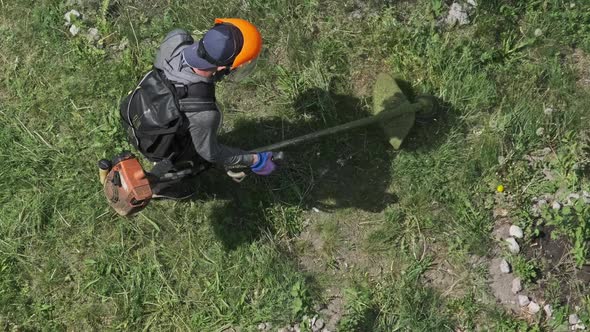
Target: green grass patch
(224,259)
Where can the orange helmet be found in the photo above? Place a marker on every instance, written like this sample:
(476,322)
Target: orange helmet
(252,40)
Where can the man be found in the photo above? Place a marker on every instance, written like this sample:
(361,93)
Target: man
(190,70)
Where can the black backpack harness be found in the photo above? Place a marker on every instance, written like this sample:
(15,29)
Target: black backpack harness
(153,114)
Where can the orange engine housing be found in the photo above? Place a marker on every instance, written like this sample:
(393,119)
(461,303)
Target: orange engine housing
(127,187)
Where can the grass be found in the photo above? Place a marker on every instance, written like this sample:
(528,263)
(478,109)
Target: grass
(226,259)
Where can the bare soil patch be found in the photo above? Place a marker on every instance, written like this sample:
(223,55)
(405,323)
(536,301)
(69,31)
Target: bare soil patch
(581,63)
(331,247)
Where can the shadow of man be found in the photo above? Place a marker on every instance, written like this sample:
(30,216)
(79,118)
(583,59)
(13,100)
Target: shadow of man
(347,170)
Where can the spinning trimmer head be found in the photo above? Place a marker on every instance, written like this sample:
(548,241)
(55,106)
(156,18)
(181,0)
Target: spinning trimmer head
(391,109)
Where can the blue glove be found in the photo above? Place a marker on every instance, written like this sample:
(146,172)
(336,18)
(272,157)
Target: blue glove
(265,165)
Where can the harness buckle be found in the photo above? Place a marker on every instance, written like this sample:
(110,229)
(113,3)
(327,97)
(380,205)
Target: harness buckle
(181,90)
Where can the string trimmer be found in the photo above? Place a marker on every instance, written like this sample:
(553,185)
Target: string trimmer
(128,187)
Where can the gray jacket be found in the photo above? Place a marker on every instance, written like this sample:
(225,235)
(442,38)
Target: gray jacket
(203,125)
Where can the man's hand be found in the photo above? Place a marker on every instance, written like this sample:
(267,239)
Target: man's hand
(263,164)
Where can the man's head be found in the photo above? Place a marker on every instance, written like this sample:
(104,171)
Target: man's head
(229,44)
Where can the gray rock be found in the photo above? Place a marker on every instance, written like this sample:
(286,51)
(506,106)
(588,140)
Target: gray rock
(356,14)
(74,30)
(538,33)
(523,300)
(69,16)
(264,326)
(296,328)
(556,205)
(573,197)
(472,3)
(93,35)
(548,308)
(318,325)
(505,266)
(457,15)
(533,307)
(540,131)
(579,326)
(573,319)
(513,246)
(516,285)
(516,232)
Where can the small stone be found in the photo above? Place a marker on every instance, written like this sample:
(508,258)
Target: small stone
(540,131)
(93,35)
(516,285)
(516,232)
(579,326)
(315,209)
(548,110)
(533,307)
(74,30)
(513,246)
(505,266)
(262,327)
(356,15)
(501,160)
(71,14)
(573,319)
(573,197)
(541,202)
(548,308)
(472,3)
(523,300)
(457,15)
(296,328)
(556,205)
(318,325)
(538,33)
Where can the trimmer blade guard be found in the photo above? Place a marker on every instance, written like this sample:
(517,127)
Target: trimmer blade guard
(388,97)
